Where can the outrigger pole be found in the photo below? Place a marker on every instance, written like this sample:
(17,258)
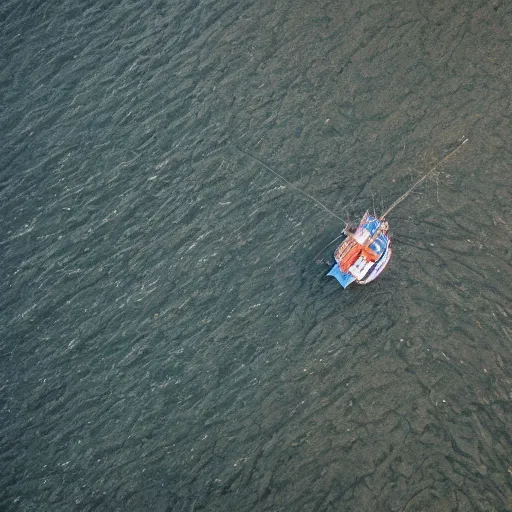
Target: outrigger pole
(328,210)
(261,162)
(402,197)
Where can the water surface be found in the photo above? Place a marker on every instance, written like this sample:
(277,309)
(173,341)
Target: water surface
(169,340)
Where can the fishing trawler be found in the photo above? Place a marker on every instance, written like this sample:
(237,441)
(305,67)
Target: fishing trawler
(366,250)
(364,253)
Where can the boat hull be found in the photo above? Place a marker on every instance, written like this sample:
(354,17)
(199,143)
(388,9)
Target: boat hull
(364,254)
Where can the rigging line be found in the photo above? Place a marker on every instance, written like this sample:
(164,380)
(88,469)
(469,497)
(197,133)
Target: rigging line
(402,197)
(329,244)
(289,183)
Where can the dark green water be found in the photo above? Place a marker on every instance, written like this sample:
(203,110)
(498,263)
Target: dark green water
(168,340)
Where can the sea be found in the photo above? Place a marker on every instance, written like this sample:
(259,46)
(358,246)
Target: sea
(172,177)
